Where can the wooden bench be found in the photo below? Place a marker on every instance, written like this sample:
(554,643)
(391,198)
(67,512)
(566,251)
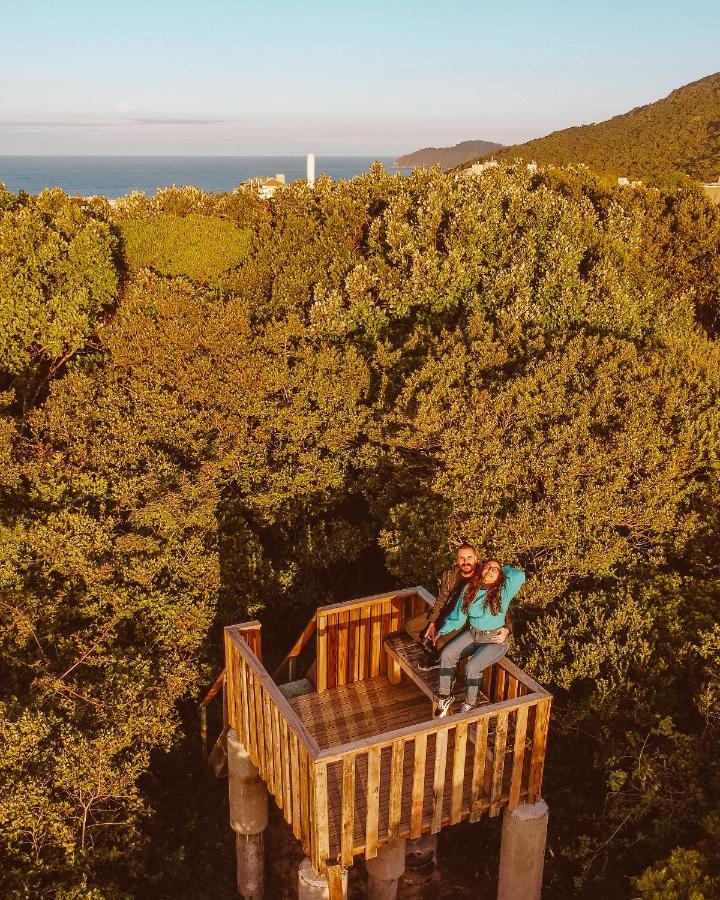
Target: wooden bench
(406,654)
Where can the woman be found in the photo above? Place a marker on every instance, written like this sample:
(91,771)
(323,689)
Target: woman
(483,603)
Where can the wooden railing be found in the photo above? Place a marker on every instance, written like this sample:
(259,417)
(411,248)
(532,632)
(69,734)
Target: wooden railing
(350,636)
(276,740)
(424,777)
(287,670)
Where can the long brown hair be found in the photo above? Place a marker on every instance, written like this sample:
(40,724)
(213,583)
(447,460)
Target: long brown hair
(493,599)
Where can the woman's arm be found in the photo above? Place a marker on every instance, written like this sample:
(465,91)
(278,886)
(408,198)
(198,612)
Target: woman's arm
(514,580)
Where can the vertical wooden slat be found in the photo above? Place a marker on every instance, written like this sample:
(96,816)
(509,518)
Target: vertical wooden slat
(313,810)
(518,757)
(285,760)
(385,616)
(499,684)
(458,772)
(375,642)
(348,809)
(373,802)
(498,762)
(230,669)
(321,811)
(260,729)
(243,732)
(353,655)
(441,740)
(305,819)
(296,785)
(487,681)
(396,785)
(321,656)
(267,723)
(537,760)
(335,885)
(252,728)
(418,786)
(478,775)
(331,637)
(342,658)
(362,643)
(277,766)
(512,688)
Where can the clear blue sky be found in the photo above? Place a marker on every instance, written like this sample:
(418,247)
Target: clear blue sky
(363,78)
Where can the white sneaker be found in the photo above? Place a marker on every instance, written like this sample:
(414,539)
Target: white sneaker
(466,707)
(442,706)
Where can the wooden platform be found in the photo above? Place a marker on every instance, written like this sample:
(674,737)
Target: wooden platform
(359,762)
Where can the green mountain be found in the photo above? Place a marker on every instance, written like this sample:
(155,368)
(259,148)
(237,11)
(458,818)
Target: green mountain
(680,133)
(446,157)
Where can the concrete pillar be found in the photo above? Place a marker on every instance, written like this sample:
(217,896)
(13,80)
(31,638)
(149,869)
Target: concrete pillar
(248,819)
(312,886)
(522,852)
(384,870)
(420,859)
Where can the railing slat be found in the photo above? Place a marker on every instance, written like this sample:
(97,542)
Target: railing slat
(296,785)
(373,802)
(418,786)
(342,656)
(441,741)
(542,717)
(362,644)
(277,766)
(305,786)
(478,776)
(375,642)
(335,885)
(321,658)
(353,617)
(321,811)
(348,810)
(458,772)
(285,754)
(396,790)
(499,684)
(260,725)
(518,757)
(267,726)
(498,762)
(252,735)
(245,704)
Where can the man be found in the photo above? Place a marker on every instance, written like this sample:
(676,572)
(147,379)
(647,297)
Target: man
(452,581)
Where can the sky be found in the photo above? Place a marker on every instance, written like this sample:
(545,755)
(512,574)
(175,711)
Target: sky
(285,77)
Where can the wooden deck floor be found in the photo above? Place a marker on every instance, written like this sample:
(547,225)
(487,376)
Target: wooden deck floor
(368,709)
(361,710)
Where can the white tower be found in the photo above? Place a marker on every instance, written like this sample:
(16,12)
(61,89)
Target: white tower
(311,169)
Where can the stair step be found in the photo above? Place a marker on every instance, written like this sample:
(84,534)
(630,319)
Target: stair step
(296,688)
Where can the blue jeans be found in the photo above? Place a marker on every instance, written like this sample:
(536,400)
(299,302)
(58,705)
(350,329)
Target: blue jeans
(483,655)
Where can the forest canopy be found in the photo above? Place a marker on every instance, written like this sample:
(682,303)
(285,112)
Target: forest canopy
(213,406)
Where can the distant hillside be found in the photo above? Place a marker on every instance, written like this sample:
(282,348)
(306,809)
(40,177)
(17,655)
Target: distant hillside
(446,157)
(680,133)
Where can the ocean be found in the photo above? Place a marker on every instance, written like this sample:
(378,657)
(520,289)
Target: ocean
(115,176)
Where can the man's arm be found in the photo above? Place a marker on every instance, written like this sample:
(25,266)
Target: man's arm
(448,581)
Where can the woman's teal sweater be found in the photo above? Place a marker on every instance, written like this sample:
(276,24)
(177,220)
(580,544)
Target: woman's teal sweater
(477,615)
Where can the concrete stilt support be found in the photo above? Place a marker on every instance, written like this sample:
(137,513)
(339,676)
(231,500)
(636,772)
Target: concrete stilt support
(248,819)
(420,859)
(522,852)
(384,870)
(312,886)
